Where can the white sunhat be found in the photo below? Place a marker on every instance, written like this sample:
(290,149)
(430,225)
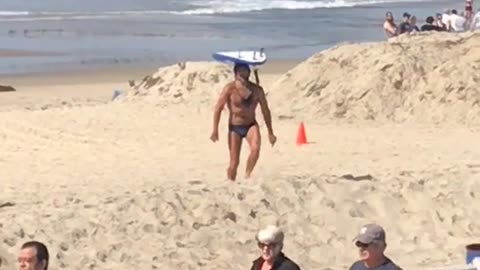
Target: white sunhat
(271,234)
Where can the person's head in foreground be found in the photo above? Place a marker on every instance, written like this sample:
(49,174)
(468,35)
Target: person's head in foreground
(371,244)
(242,71)
(33,256)
(406,16)
(270,243)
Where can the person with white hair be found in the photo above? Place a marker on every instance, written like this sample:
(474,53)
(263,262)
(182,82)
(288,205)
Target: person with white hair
(270,242)
(371,243)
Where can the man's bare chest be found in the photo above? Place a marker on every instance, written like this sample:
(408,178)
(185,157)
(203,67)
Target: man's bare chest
(237,100)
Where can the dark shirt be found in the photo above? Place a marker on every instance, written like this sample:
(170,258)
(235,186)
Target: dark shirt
(431,27)
(281,263)
(405,27)
(387,265)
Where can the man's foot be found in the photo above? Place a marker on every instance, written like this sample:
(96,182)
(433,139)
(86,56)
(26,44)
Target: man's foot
(247,175)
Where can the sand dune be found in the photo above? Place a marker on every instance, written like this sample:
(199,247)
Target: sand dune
(5,260)
(135,183)
(195,83)
(428,78)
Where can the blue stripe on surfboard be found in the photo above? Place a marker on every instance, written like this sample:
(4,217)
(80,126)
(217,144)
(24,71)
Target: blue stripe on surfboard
(235,60)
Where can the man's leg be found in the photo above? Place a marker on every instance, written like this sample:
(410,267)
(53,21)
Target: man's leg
(254,140)
(234,147)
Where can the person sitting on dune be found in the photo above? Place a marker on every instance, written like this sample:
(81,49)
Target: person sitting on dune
(413,25)
(270,242)
(429,26)
(446,20)
(389,26)
(33,256)
(457,22)
(438,22)
(371,243)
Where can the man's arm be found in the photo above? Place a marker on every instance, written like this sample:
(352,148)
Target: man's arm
(222,100)
(476,18)
(265,109)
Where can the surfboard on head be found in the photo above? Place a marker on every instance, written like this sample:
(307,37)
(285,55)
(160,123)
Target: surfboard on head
(252,58)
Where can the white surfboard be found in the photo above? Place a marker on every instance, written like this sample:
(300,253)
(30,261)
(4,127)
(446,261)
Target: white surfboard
(253,58)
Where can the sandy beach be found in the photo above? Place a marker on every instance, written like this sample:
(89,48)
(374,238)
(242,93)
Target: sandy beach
(136,182)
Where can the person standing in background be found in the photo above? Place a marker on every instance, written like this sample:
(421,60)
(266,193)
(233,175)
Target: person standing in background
(475,25)
(468,10)
(389,26)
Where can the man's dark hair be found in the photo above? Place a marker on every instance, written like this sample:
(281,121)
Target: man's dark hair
(239,66)
(430,19)
(454,11)
(42,251)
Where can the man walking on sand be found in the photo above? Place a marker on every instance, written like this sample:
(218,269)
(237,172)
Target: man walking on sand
(242,97)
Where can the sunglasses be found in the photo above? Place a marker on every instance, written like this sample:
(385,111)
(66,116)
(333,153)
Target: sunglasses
(362,245)
(269,245)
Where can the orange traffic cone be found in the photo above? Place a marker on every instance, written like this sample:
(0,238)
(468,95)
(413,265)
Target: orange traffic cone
(301,135)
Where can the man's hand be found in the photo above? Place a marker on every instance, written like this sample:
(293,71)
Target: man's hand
(214,136)
(272,138)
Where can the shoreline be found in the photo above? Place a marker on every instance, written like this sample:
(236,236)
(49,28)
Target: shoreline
(163,39)
(14,53)
(114,73)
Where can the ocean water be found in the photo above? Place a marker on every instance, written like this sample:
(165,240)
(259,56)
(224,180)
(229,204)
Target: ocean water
(95,33)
